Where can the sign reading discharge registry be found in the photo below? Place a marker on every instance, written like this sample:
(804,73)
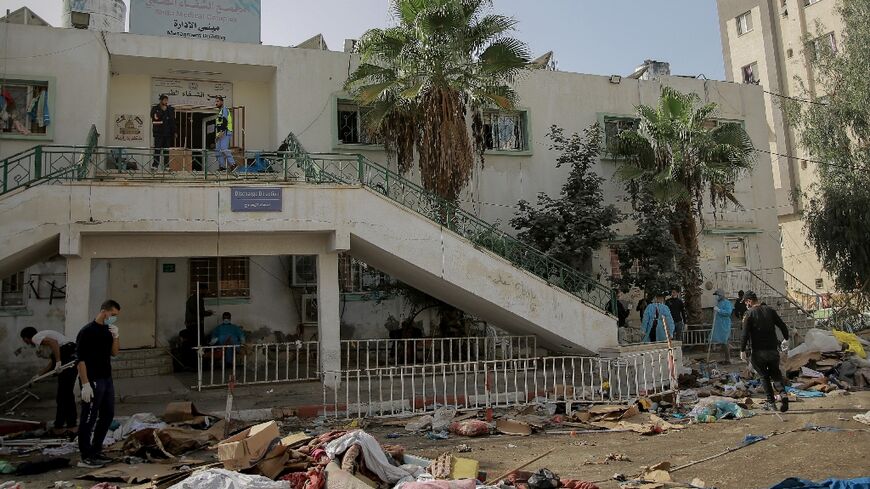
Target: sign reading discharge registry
(255,199)
(219,20)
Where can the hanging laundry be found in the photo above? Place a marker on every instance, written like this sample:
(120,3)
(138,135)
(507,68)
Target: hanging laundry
(46,116)
(38,116)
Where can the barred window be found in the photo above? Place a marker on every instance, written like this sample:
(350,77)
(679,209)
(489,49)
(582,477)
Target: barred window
(12,292)
(355,277)
(221,277)
(350,124)
(504,130)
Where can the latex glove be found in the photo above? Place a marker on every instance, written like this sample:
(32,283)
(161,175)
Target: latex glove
(743,356)
(716,309)
(784,345)
(114,330)
(57,366)
(87,392)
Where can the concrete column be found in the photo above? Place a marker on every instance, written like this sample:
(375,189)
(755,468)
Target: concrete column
(78,290)
(328,318)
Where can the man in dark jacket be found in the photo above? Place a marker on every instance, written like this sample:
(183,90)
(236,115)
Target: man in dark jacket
(759,332)
(163,130)
(678,310)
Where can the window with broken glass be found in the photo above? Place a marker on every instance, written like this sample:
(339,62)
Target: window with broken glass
(223,277)
(350,124)
(504,131)
(12,291)
(614,126)
(356,277)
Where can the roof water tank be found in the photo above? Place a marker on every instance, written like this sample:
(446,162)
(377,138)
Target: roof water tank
(105,15)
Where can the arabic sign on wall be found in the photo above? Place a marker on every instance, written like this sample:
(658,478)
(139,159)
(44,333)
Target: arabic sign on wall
(128,127)
(195,93)
(255,199)
(219,20)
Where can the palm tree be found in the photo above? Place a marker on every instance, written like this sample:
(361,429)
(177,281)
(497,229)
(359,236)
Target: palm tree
(680,157)
(446,60)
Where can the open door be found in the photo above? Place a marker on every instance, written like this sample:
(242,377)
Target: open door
(133,283)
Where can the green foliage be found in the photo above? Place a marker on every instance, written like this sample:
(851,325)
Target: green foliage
(836,130)
(648,259)
(677,159)
(444,61)
(570,228)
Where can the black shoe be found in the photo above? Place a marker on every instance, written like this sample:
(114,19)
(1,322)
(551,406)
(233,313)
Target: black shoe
(783,403)
(102,458)
(90,463)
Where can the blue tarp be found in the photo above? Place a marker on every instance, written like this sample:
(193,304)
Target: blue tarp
(795,483)
(803,393)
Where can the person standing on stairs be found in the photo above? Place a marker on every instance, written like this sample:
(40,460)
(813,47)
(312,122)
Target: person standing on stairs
(60,351)
(97,344)
(759,332)
(223,136)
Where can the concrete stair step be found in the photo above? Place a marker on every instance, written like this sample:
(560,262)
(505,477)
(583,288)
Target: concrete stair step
(143,362)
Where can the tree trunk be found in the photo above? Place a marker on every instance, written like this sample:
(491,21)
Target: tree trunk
(685,231)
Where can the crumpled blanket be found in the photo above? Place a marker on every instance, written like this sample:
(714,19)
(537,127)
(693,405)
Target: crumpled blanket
(795,483)
(313,479)
(375,458)
(227,479)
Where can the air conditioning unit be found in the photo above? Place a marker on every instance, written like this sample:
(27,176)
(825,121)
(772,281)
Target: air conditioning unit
(80,20)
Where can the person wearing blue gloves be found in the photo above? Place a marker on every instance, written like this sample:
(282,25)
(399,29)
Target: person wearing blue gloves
(654,317)
(721,333)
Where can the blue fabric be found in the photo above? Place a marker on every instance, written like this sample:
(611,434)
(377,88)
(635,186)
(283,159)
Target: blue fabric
(260,165)
(649,317)
(722,322)
(802,393)
(750,439)
(224,155)
(795,483)
(46,116)
(227,334)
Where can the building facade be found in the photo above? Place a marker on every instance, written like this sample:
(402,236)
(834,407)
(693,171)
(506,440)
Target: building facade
(770,43)
(112,80)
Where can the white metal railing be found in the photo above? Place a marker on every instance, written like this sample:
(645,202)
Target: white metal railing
(377,353)
(390,391)
(258,363)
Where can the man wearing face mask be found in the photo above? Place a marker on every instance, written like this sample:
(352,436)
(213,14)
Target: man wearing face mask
(60,351)
(227,333)
(97,344)
(721,333)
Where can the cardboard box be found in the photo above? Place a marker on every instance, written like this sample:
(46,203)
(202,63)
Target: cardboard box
(243,450)
(274,462)
(180,159)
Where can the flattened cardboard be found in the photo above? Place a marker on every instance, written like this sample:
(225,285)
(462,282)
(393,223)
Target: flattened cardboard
(296,440)
(512,427)
(181,411)
(131,473)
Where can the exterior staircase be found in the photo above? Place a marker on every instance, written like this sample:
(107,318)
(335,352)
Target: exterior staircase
(792,306)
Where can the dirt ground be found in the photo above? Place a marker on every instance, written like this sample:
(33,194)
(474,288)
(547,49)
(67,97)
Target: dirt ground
(812,455)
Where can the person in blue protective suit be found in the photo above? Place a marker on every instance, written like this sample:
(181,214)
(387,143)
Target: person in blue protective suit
(227,333)
(655,316)
(721,333)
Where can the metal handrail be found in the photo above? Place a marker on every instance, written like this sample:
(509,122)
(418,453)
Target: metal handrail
(50,163)
(411,195)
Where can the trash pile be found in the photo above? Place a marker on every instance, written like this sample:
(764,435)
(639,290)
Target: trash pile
(828,361)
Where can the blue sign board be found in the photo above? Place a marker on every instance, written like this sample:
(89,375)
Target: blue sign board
(255,199)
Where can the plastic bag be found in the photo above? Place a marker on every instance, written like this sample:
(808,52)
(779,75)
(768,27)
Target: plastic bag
(544,479)
(816,340)
(442,418)
(419,424)
(852,341)
(471,427)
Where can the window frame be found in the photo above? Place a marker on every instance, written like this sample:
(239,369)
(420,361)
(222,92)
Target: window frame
(52,105)
(749,24)
(338,99)
(294,275)
(603,118)
(754,68)
(21,301)
(526,132)
(363,278)
(218,278)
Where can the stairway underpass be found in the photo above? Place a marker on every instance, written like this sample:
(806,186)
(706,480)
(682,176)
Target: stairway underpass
(330,203)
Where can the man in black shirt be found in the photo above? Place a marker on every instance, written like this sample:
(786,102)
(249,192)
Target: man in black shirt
(759,331)
(739,306)
(97,344)
(163,130)
(678,311)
